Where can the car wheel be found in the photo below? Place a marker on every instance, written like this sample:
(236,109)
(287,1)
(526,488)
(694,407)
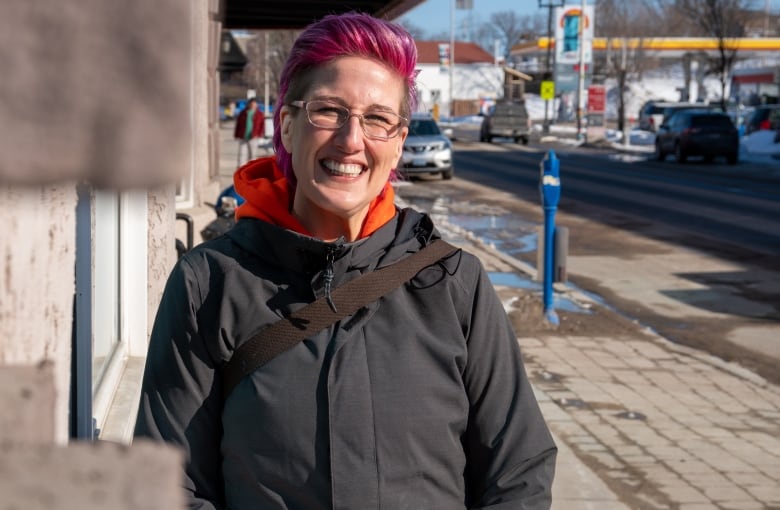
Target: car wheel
(680,154)
(659,153)
(709,158)
(446,175)
(524,139)
(731,158)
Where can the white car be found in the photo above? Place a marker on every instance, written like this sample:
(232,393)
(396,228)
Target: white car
(426,149)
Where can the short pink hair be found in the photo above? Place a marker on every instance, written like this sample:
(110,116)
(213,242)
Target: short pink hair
(334,36)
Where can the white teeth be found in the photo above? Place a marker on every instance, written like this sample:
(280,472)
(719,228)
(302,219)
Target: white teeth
(343,169)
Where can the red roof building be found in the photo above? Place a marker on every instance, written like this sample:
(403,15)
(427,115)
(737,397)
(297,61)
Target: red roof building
(475,82)
(465,53)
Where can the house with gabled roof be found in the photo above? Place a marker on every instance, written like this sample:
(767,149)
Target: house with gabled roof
(477,78)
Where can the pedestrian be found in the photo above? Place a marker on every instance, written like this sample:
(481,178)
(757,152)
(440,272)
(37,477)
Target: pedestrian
(415,400)
(250,125)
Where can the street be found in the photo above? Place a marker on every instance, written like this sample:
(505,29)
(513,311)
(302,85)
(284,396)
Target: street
(689,251)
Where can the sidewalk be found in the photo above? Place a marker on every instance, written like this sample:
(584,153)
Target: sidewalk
(643,423)
(640,423)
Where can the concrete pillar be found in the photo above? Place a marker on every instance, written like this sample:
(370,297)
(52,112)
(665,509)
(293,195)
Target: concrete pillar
(37,255)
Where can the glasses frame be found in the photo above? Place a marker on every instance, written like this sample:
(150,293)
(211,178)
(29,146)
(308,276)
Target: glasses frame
(303,105)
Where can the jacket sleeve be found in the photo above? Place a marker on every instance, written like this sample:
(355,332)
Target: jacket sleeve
(238,130)
(510,452)
(258,129)
(180,396)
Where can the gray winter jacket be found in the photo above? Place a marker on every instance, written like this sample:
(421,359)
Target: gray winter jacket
(418,401)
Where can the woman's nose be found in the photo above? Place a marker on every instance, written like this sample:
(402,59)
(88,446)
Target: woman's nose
(351,134)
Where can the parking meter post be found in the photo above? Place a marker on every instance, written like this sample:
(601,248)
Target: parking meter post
(550,191)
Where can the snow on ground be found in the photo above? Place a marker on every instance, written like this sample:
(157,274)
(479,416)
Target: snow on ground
(662,84)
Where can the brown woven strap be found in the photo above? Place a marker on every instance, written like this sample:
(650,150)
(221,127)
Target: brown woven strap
(316,316)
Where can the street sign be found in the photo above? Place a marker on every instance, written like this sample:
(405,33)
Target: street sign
(547,90)
(597,103)
(596,99)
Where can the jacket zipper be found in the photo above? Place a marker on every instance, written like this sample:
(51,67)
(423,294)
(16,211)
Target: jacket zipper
(330,256)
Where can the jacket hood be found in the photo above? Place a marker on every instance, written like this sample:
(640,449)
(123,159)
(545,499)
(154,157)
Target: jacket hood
(269,197)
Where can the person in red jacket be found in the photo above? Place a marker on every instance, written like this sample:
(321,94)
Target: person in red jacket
(250,125)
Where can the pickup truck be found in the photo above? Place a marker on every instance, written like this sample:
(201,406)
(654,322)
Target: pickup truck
(508,120)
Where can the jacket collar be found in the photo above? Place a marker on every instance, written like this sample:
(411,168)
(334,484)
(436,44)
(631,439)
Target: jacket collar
(406,232)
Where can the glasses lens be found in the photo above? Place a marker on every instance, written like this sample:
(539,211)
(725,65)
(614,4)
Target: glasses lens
(326,115)
(381,124)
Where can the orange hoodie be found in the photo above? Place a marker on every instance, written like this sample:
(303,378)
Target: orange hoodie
(268,197)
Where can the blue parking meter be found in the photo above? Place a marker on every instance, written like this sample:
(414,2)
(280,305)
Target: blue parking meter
(550,191)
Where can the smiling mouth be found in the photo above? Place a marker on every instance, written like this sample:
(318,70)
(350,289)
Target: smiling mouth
(342,169)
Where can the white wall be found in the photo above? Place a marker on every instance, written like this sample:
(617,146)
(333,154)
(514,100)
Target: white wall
(470,81)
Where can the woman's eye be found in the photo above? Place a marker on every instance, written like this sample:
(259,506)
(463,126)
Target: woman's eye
(330,111)
(378,118)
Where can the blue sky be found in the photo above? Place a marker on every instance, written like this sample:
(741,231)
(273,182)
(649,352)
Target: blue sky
(433,16)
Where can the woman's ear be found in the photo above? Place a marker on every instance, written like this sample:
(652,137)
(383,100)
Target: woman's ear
(286,119)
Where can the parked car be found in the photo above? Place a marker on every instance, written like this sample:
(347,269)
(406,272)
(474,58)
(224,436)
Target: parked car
(508,119)
(426,149)
(654,113)
(765,116)
(698,133)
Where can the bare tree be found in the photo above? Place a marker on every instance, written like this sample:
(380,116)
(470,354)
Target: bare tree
(418,33)
(266,62)
(723,20)
(619,21)
(511,29)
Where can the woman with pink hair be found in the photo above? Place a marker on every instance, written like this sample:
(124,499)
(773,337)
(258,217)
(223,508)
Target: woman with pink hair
(417,400)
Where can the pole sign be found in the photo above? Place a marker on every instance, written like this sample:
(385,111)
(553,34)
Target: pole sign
(444,56)
(573,24)
(547,90)
(597,105)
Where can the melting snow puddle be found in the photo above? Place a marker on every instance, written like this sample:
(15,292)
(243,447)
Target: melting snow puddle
(514,280)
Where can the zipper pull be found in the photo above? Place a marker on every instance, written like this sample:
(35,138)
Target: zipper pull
(329,257)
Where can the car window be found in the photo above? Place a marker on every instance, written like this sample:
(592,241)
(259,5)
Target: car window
(710,120)
(677,120)
(514,109)
(423,127)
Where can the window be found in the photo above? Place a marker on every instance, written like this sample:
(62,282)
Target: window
(105,282)
(110,321)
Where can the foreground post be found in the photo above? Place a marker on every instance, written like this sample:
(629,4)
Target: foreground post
(550,191)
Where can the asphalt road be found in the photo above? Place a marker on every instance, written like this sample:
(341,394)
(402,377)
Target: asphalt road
(690,251)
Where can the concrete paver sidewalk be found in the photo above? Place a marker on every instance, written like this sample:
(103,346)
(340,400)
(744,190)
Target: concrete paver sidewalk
(642,422)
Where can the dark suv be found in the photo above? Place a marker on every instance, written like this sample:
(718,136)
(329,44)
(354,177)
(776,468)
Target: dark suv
(507,119)
(697,133)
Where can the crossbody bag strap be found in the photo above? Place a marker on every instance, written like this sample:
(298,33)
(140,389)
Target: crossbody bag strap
(316,316)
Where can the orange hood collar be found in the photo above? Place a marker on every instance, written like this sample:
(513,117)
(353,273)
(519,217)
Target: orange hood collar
(268,196)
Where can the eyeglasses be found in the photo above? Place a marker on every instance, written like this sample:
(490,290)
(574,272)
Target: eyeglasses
(376,124)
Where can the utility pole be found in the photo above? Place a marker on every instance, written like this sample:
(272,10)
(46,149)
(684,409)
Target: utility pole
(265,78)
(452,53)
(581,76)
(549,72)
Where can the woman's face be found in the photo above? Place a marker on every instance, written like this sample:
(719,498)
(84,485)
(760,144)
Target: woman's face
(339,172)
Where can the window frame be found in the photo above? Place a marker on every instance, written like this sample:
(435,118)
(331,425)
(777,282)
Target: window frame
(90,406)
